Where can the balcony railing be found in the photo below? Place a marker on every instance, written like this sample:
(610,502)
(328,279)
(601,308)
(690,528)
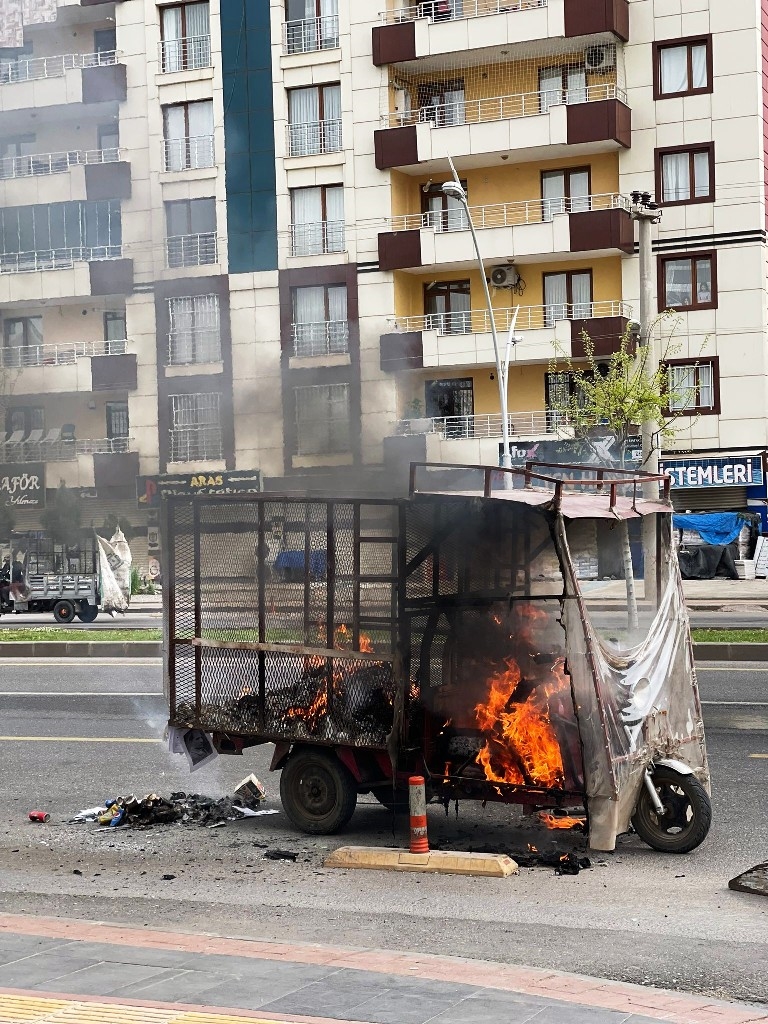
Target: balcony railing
(56,259)
(315,239)
(451,10)
(311,34)
(192,444)
(188,154)
(530,318)
(314,137)
(507,215)
(321,339)
(191,250)
(61,450)
(501,108)
(54,163)
(486,425)
(30,69)
(186,54)
(65,354)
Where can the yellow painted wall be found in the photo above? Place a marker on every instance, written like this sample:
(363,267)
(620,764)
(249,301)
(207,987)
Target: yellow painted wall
(606,285)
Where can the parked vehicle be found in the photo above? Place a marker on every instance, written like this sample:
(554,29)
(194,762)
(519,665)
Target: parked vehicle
(449,635)
(67,596)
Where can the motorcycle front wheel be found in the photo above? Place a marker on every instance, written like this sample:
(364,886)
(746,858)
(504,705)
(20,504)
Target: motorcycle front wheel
(687,813)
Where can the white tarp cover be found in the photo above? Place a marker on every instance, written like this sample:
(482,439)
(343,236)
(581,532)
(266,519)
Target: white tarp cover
(635,703)
(15,14)
(115,570)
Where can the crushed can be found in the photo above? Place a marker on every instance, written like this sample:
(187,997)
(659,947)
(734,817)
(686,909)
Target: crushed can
(41,816)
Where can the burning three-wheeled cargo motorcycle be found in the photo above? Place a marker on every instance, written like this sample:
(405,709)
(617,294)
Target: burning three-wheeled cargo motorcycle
(457,633)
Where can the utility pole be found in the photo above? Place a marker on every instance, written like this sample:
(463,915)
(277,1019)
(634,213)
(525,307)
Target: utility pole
(647,213)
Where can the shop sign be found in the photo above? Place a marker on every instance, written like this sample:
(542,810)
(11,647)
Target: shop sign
(150,489)
(23,485)
(724,471)
(598,451)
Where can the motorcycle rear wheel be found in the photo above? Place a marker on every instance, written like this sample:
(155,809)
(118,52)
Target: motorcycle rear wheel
(687,817)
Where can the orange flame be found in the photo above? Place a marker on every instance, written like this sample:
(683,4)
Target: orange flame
(560,821)
(522,746)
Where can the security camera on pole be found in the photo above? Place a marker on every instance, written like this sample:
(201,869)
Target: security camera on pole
(455,190)
(647,213)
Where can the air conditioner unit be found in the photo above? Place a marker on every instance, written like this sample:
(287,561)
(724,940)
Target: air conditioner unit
(600,58)
(505,277)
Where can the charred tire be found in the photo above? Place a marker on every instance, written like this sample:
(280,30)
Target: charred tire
(88,612)
(687,818)
(63,611)
(318,793)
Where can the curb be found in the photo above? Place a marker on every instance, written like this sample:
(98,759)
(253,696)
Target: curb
(442,862)
(81,649)
(730,652)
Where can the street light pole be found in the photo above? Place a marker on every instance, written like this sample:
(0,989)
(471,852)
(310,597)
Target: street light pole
(456,190)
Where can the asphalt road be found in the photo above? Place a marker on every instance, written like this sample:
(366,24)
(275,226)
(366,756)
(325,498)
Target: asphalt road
(636,915)
(133,619)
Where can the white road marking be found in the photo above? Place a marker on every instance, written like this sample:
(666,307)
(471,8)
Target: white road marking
(76,693)
(736,703)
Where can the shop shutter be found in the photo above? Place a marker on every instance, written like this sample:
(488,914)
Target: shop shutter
(709,499)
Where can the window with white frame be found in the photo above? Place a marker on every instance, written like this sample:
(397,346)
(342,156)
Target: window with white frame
(322,419)
(195,431)
(317,220)
(191,232)
(319,324)
(314,120)
(692,386)
(195,335)
(188,135)
(186,37)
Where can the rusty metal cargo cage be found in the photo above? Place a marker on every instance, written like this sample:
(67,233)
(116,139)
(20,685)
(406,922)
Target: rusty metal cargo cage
(282,617)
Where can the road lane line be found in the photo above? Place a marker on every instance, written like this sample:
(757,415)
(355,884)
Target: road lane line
(735,703)
(77,739)
(763,757)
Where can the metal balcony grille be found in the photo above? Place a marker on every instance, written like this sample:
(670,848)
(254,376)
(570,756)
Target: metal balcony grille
(195,432)
(186,54)
(33,68)
(54,163)
(191,250)
(188,154)
(56,259)
(506,215)
(320,339)
(314,137)
(311,34)
(65,354)
(315,239)
(530,318)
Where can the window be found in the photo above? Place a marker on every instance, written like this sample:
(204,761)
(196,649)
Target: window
(682,67)
(558,85)
(567,296)
(442,102)
(117,425)
(453,402)
(693,386)
(14,156)
(322,419)
(114,333)
(22,420)
(67,228)
(311,25)
(688,282)
(105,40)
(685,175)
(314,120)
(317,220)
(195,428)
(195,330)
(565,191)
(186,37)
(191,232)
(447,307)
(443,213)
(319,323)
(109,139)
(188,136)
(23,341)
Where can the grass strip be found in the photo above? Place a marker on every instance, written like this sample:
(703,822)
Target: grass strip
(38,634)
(730,636)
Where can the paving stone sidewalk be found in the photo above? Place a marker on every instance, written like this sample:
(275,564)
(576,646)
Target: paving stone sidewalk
(169,976)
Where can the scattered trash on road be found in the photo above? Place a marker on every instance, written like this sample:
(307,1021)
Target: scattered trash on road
(275,854)
(180,807)
(39,816)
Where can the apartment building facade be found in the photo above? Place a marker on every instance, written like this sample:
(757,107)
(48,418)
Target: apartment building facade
(226,260)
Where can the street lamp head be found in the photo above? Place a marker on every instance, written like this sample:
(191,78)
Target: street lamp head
(454,190)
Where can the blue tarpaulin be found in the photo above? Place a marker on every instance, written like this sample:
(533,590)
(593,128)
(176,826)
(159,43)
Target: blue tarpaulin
(713,527)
